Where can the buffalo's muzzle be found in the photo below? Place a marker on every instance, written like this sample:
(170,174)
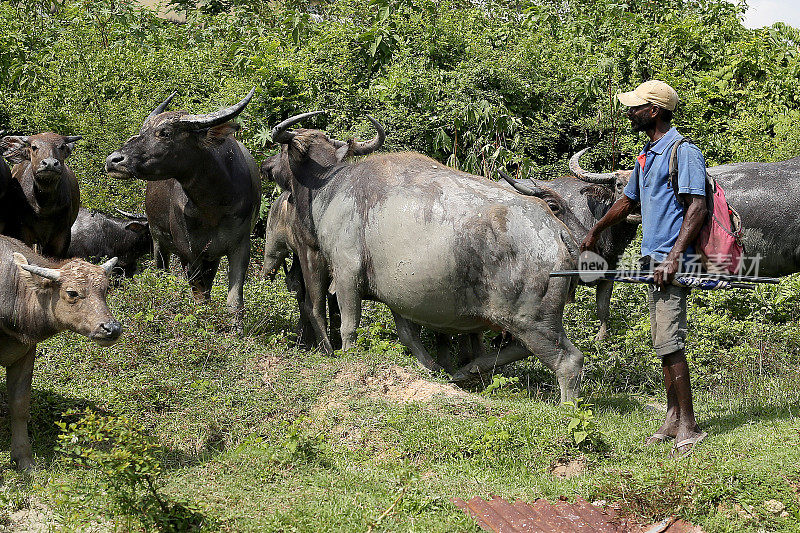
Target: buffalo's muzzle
(116,165)
(107,334)
(50,164)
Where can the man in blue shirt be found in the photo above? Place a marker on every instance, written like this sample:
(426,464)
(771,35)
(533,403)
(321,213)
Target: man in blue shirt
(668,232)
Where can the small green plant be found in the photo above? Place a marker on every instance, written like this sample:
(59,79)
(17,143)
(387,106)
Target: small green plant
(302,445)
(499,383)
(126,462)
(496,440)
(582,427)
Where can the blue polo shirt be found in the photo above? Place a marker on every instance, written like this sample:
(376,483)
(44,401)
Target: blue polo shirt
(662,215)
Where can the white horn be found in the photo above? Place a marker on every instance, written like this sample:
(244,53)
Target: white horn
(109,265)
(47,273)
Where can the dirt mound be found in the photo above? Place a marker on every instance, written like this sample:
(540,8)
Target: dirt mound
(401,385)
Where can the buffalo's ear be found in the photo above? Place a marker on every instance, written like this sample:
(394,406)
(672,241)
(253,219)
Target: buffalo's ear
(343,152)
(136,226)
(218,134)
(20,260)
(15,149)
(598,192)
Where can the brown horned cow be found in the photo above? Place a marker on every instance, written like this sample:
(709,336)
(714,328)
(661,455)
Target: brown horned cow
(38,299)
(49,186)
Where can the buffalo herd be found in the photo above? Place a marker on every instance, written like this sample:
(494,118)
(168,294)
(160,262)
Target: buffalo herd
(456,253)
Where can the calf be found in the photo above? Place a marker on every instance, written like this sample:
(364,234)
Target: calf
(49,187)
(280,240)
(38,299)
(96,235)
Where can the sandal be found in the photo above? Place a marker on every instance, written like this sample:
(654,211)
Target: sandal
(691,442)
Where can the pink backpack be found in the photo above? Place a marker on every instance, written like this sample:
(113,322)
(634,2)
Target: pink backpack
(719,242)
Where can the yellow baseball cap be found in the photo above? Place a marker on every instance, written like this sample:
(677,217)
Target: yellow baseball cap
(653,91)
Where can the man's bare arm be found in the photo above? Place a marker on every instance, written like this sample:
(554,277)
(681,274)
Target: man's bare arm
(618,212)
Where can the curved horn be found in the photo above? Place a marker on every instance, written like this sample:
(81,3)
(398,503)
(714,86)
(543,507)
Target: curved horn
(48,273)
(72,138)
(216,118)
(520,188)
(109,265)
(132,216)
(590,177)
(279,133)
(364,148)
(161,107)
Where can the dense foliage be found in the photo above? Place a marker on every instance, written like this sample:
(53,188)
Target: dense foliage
(522,83)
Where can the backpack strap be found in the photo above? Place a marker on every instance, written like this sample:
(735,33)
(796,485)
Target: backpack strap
(673,177)
(673,168)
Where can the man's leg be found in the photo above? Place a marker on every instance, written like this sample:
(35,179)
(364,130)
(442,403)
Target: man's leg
(668,325)
(669,429)
(679,388)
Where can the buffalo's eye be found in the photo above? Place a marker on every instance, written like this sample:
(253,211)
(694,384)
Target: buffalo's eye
(34,147)
(72,295)
(162,132)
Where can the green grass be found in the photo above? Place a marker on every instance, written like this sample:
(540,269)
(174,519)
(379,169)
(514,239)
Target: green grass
(258,435)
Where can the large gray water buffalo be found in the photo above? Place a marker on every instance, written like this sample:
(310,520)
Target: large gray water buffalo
(38,299)
(203,193)
(51,194)
(587,197)
(442,248)
(96,235)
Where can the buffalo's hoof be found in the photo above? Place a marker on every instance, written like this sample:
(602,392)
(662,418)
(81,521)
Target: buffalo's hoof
(466,376)
(23,464)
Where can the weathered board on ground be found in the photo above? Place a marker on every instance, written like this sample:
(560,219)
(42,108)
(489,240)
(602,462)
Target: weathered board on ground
(561,517)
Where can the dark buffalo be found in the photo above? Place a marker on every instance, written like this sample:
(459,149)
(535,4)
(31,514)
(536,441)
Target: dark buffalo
(38,299)
(49,187)
(588,203)
(766,197)
(12,201)
(203,193)
(442,248)
(96,235)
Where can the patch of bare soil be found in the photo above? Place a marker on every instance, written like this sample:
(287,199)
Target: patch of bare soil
(392,382)
(398,384)
(566,468)
(37,517)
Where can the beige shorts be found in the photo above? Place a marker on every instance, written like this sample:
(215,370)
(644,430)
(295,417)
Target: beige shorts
(667,318)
